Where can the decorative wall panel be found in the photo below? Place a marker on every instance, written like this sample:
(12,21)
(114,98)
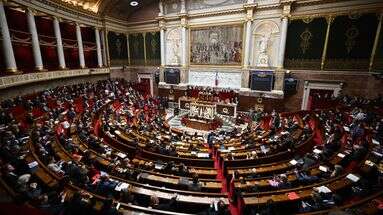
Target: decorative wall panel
(153,49)
(203,4)
(118,51)
(212,77)
(229,80)
(350,42)
(216,45)
(172,6)
(203,78)
(305,42)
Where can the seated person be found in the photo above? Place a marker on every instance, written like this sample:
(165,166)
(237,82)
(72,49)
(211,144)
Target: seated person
(195,185)
(169,206)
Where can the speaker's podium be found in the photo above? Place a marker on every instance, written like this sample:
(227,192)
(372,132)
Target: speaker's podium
(222,108)
(203,114)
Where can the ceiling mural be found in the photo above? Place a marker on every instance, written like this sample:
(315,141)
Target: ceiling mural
(90,5)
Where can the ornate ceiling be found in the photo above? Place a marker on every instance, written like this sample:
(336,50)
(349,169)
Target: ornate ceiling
(121,9)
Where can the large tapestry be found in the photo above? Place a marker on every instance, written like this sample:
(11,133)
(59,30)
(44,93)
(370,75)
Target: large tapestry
(136,49)
(305,42)
(350,41)
(202,4)
(216,45)
(118,51)
(153,48)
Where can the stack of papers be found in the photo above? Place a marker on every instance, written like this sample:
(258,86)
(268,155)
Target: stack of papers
(159,166)
(33,164)
(293,162)
(375,142)
(121,186)
(203,155)
(323,168)
(352,177)
(121,155)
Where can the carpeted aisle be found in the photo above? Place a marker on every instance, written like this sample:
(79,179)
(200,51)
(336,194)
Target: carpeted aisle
(234,209)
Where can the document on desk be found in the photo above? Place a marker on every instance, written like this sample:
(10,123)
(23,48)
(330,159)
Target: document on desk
(121,155)
(293,162)
(293,196)
(352,177)
(121,186)
(323,168)
(323,189)
(203,155)
(33,164)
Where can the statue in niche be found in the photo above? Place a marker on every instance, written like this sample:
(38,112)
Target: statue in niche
(175,48)
(263,58)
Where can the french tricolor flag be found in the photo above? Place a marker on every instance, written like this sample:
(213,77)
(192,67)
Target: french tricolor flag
(216,79)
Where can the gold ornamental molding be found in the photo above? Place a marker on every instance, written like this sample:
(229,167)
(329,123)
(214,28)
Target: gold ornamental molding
(16,80)
(377,8)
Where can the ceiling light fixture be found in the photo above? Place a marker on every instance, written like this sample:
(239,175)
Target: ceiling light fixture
(133,3)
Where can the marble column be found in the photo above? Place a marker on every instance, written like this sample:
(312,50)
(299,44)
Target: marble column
(80,47)
(282,42)
(60,49)
(103,42)
(9,57)
(162,41)
(184,46)
(98,47)
(246,56)
(35,40)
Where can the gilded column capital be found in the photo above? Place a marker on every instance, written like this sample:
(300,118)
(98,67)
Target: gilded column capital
(330,19)
(184,23)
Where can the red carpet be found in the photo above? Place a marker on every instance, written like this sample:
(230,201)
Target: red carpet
(234,209)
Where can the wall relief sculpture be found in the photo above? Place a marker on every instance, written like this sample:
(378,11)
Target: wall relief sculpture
(216,45)
(173,46)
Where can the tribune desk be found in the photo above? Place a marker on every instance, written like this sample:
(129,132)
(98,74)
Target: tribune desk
(227,109)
